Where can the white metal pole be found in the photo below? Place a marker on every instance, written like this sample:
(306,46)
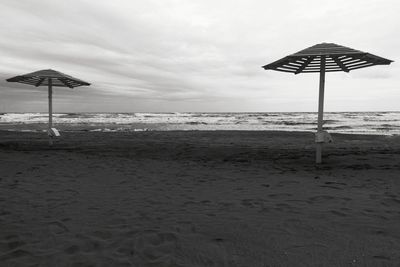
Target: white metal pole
(321,107)
(50,112)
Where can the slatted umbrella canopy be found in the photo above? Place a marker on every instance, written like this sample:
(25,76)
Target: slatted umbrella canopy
(325,57)
(49,78)
(335,58)
(45,77)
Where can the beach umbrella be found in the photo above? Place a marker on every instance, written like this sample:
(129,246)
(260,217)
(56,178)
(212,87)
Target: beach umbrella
(49,78)
(325,57)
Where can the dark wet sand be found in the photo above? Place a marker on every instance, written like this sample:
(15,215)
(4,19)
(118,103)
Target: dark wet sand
(198,199)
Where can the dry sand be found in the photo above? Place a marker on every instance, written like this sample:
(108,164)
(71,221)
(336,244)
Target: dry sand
(198,199)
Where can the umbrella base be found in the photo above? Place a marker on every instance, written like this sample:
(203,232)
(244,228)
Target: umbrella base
(323,137)
(53,132)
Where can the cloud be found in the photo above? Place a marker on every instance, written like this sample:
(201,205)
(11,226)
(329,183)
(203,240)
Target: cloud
(175,52)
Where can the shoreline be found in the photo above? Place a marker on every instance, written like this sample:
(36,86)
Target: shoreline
(42,128)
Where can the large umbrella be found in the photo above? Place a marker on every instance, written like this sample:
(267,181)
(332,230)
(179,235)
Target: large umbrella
(325,57)
(49,78)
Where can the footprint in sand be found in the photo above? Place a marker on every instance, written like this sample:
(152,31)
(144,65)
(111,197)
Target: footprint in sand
(284,183)
(149,247)
(14,254)
(57,227)
(331,186)
(84,243)
(337,183)
(205,202)
(374,196)
(338,213)
(226,205)
(253,203)
(13,246)
(186,226)
(381,257)
(102,234)
(284,207)
(189,203)
(4,212)
(280,195)
(320,198)
(73,249)
(380,231)
(390,202)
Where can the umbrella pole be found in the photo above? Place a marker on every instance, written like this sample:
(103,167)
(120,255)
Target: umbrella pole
(50,112)
(321,107)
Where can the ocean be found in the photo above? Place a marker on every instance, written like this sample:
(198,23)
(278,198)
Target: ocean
(381,123)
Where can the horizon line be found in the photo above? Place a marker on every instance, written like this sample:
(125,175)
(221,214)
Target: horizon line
(73,112)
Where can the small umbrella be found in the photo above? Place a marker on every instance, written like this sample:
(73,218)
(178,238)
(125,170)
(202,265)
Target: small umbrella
(325,57)
(49,78)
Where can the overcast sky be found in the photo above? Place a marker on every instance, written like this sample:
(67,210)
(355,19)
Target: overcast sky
(195,55)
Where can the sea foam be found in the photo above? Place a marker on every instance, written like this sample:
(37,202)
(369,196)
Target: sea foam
(387,123)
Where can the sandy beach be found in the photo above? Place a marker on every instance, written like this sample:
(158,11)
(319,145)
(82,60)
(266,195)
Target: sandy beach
(198,198)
